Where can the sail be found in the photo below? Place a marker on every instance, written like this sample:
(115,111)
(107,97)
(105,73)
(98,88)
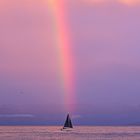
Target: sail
(68,123)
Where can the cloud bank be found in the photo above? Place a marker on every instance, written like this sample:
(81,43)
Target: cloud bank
(16,116)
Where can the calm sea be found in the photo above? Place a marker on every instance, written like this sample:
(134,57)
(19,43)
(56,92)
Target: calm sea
(78,133)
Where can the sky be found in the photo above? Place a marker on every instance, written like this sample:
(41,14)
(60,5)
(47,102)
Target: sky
(97,76)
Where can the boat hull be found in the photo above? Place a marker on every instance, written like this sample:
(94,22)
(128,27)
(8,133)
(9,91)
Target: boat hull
(66,129)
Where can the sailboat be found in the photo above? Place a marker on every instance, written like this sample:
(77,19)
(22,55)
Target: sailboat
(68,123)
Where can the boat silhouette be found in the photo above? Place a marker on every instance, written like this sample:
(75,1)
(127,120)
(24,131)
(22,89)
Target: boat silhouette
(68,123)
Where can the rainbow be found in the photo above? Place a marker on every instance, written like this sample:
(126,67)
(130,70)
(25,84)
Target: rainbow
(62,43)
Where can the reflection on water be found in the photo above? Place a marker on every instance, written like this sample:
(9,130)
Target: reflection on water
(78,133)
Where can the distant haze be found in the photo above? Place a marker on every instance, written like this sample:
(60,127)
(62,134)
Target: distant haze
(105,39)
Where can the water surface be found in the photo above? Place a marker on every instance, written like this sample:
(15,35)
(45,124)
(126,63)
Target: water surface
(78,133)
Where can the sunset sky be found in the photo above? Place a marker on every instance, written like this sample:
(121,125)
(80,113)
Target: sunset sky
(78,56)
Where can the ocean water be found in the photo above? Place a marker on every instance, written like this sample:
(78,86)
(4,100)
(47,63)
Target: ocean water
(78,133)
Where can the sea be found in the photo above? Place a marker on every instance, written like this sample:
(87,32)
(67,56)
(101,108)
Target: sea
(78,133)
